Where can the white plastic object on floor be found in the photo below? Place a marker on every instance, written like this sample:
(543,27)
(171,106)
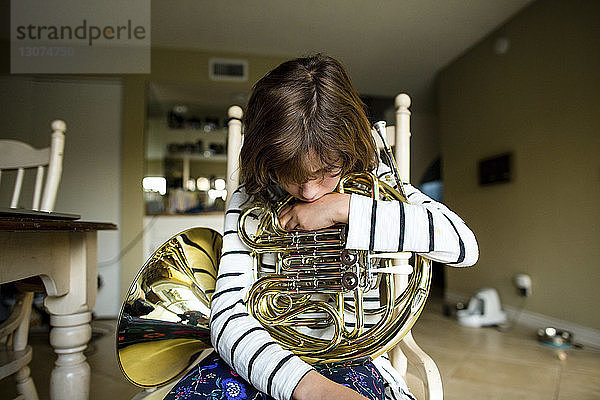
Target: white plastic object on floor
(483,310)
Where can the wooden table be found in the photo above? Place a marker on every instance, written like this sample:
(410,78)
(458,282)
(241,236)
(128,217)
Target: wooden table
(63,253)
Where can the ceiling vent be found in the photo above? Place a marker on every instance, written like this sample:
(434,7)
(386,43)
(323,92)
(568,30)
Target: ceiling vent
(222,69)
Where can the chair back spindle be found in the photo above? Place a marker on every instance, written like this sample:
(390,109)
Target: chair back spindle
(234,145)
(19,156)
(55,165)
(402,136)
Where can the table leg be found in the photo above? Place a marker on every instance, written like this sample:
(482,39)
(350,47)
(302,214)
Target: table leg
(70,317)
(69,336)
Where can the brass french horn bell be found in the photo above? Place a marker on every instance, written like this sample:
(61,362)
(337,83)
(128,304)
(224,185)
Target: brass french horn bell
(164,322)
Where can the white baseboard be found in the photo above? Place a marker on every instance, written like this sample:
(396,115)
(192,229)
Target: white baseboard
(581,334)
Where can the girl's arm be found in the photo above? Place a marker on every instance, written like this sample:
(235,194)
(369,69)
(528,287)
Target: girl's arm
(242,342)
(421,226)
(238,338)
(315,386)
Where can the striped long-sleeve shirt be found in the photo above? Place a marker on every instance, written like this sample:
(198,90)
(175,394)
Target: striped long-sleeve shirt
(422,226)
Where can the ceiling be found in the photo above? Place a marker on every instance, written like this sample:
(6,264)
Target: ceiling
(388,46)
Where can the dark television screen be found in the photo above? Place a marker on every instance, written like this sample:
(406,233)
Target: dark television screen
(495,169)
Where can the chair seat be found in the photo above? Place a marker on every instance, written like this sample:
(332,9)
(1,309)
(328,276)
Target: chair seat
(13,361)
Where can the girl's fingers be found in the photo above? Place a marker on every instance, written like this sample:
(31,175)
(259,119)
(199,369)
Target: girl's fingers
(285,210)
(288,219)
(284,216)
(291,224)
(285,221)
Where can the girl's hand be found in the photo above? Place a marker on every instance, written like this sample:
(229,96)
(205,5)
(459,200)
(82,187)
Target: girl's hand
(328,210)
(315,386)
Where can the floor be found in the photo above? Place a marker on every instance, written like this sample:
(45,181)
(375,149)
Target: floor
(475,363)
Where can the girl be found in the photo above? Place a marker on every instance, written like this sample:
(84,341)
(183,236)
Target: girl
(305,127)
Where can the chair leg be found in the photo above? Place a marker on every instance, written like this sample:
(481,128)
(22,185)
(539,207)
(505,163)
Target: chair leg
(21,334)
(398,360)
(25,386)
(425,366)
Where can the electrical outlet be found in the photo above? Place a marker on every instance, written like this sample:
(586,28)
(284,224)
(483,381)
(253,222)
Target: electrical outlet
(523,284)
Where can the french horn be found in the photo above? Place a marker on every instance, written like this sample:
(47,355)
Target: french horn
(163,325)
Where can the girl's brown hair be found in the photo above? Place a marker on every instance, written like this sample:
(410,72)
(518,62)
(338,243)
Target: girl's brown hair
(304,108)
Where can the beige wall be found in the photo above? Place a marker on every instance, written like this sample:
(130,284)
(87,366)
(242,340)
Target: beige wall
(424,143)
(540,102)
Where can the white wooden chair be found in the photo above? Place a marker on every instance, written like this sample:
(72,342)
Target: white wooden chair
(19,156)
(14,155)
(407,351)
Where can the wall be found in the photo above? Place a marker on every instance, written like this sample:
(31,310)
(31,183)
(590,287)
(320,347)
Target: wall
(91,168)
(538,101)
(424,143)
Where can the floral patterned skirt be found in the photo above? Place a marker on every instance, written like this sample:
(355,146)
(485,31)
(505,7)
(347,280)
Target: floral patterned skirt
(213,379)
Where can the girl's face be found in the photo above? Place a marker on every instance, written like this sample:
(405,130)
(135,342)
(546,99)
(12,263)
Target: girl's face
(325,181)
(313,189)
